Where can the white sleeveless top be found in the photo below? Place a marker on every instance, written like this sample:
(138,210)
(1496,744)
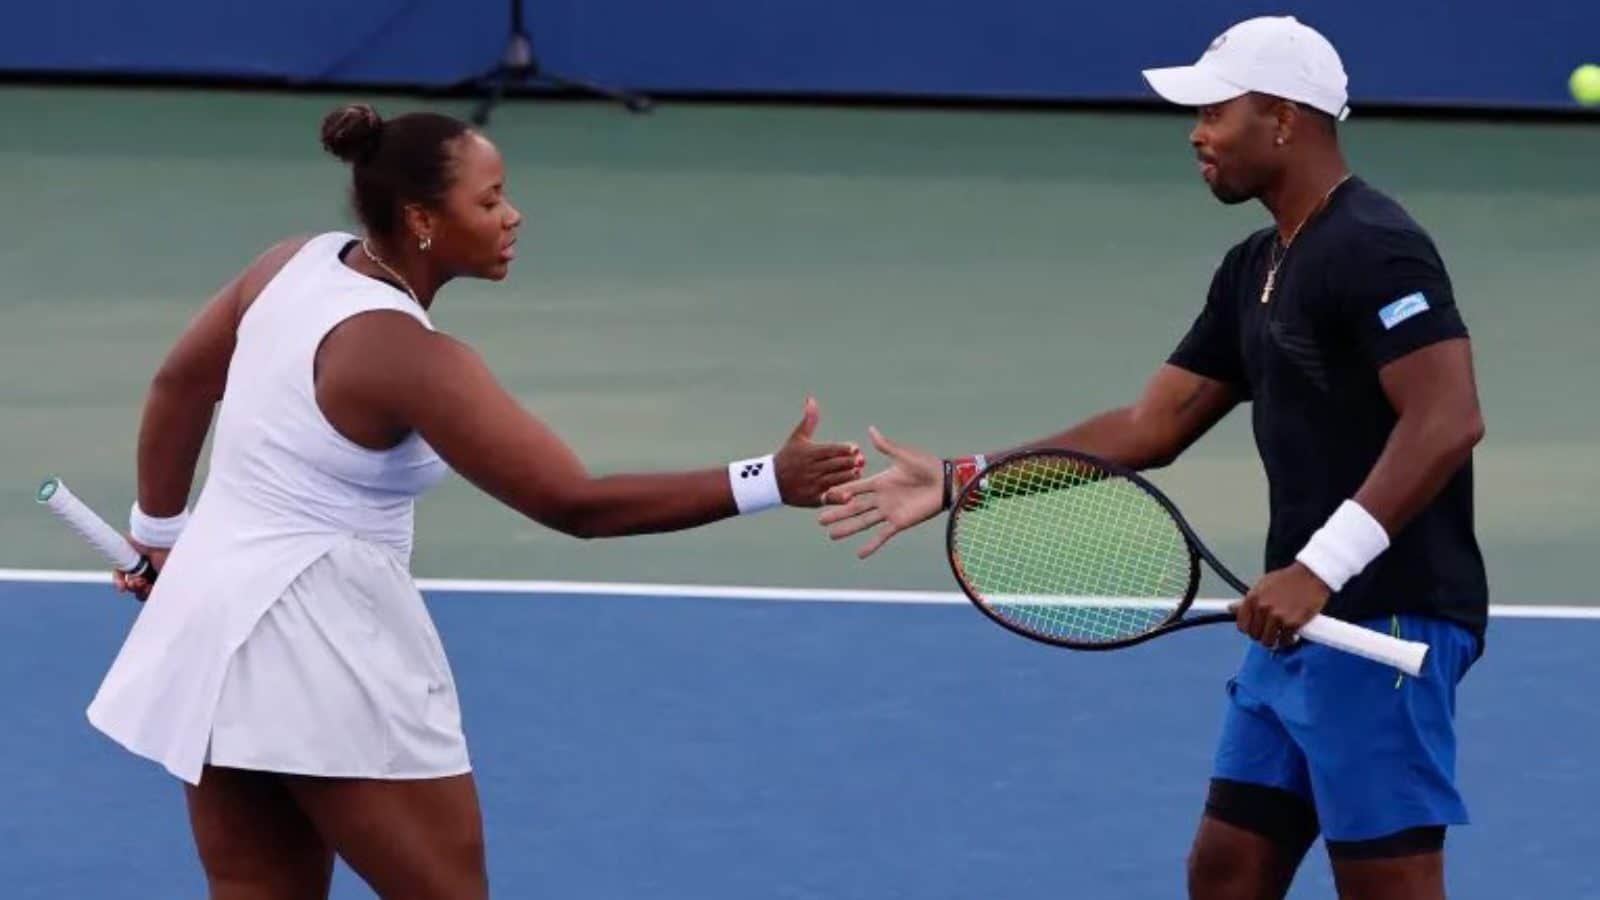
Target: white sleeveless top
(284,489)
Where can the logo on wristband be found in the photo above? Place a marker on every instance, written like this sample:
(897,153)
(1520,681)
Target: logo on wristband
(751,470)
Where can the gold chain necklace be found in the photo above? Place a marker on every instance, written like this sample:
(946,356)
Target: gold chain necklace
(367,249)
(1274,264)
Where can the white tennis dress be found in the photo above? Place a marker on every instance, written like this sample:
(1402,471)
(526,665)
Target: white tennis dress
(285,633)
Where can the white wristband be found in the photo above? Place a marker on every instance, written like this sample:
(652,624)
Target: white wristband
(1344,546)
(159,534)
(755,484)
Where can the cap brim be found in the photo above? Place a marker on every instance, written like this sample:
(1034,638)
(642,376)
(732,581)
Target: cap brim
(1191,86)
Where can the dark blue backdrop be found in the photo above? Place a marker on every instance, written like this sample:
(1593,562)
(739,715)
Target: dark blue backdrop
(1398,51)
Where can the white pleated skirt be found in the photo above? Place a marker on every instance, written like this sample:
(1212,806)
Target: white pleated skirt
(343,676)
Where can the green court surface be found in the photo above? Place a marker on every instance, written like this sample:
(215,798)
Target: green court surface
(962,279)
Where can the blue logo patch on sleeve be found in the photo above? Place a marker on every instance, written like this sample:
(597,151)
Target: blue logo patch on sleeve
(1402,309)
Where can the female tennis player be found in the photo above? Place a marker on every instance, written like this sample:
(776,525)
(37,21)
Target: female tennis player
(285,667)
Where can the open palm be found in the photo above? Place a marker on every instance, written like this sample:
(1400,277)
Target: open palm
(900,497)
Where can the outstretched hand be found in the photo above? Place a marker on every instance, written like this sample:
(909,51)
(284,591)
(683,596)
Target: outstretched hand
(900,497)
(806,469)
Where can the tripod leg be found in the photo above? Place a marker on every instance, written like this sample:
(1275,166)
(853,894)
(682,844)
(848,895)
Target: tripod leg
(634,102)
(497,89)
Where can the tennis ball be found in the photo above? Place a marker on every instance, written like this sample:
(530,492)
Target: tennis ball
(1585,84)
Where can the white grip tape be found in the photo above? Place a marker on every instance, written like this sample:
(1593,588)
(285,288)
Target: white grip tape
(1407,656)
(89,526)
(755,484)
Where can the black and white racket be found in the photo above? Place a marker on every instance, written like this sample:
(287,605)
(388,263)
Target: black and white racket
(1078,552)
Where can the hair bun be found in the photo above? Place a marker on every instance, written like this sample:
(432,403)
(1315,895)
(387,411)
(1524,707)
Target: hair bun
(352,132)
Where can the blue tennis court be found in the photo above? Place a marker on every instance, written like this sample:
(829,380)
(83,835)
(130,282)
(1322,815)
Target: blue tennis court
(727,747)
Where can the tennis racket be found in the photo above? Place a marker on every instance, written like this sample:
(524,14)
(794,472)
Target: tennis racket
(1078,552)
(54,496)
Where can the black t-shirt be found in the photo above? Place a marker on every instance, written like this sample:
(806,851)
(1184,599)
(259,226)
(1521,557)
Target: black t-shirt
(1361,286)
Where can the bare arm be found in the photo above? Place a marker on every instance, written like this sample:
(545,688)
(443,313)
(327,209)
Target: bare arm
(441,388)
(484,434)
(1175,409)
(183,396)
(1433,392)
(1436,397)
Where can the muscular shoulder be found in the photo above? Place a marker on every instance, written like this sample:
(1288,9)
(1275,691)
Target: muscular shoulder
(412,355)
(386,361)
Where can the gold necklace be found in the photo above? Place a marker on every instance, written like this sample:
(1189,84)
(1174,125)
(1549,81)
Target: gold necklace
(1272,269)
(367,249)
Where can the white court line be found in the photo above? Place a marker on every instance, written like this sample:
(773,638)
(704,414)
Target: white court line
(726,592)
(706,591)
(53,576)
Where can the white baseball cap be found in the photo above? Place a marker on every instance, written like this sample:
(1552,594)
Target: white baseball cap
(1274,55)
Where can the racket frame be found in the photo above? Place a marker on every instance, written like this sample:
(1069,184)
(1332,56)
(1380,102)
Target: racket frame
(1176,621)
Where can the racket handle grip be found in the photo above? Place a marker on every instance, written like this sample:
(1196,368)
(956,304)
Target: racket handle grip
(1407,656)
(110,544)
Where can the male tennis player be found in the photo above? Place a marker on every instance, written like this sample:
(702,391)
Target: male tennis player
(1339,325)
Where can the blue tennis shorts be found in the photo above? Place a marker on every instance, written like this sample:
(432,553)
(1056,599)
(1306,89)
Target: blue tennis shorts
(1373,750)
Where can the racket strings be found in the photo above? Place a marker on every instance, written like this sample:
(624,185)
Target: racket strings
(1069,606)
(1060,548)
